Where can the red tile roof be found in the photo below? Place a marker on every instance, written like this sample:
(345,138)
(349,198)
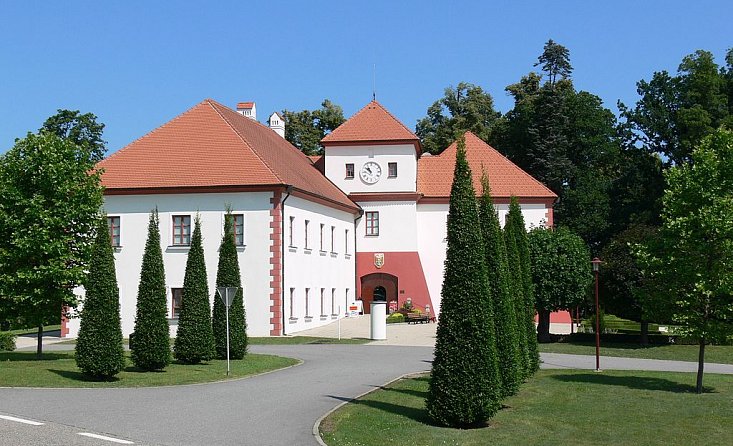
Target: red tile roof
(242,105)
(372,123)
(435,173)
(211,145)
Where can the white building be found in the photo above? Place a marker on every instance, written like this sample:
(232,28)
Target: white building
(366,221)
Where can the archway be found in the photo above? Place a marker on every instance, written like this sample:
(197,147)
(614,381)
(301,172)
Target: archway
(376,287)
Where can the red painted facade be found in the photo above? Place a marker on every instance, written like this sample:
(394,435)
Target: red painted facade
(406,266)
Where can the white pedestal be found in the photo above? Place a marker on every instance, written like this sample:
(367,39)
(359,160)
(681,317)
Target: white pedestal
(379,321)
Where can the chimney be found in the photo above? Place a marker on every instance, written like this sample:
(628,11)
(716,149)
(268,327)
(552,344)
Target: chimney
(277,124)
(248,109)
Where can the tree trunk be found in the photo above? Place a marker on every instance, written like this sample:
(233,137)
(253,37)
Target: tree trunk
(543,327)
(644,332)
(39,345)
(700,365)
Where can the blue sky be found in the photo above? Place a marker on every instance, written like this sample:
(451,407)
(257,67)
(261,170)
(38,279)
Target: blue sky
(138,64)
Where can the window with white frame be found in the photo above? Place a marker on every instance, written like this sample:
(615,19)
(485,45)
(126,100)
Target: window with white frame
(372,223)
(176,298)
(238,227)
(307,302)
(333,302)
(182,230)
(323,307)
(290,231)
(322,225)
(292,303)
(306,234)
(392,170)
(333,229)
(346,241)
(349,170)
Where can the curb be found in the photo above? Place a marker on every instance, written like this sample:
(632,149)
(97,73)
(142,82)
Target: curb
(317,424)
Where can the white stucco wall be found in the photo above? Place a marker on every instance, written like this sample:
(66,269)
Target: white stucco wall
(133,211)
(331,268)
(404,155)
(431,238)
(397,227)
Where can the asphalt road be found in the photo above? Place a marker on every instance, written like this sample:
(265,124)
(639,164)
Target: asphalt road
(278,408)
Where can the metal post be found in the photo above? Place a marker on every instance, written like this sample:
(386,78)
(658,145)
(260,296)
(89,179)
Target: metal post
(227,307)
(598,334)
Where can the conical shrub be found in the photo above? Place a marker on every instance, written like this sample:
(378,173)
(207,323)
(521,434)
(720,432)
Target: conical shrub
(99,352)
(150,346)
(505,318)
(516,288)
(228,275)
(465,386)
(195,339)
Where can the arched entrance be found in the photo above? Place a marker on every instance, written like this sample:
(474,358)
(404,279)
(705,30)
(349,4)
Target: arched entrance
(376,287)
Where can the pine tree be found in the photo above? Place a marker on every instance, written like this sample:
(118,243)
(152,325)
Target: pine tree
(99,351)
(228,276)
(465,386)
(517,230)
(505,318)
(150,346)
(195,339)
(516,288)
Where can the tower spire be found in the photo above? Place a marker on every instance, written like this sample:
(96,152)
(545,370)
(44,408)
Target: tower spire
(374,83)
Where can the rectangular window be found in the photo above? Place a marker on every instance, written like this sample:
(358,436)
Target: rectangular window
(322,236)
(177,296)
(372,223)
(238,225)
(292,294)
(307,302)
(290,231)
(114,230)
(346,241)
(392,170)
(333,302)
(323,308)
(306,234)
(182,230)
(333,229)
(349,170)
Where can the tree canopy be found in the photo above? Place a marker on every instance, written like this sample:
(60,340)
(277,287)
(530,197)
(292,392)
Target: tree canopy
(462,108)
(80,128)
(306,128)
(49,210)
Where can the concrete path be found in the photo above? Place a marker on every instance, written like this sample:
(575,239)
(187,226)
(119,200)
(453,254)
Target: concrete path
(30,340)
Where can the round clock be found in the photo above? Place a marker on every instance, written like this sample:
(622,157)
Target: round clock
(370,172)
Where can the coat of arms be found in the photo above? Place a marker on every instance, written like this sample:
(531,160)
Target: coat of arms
(379,259)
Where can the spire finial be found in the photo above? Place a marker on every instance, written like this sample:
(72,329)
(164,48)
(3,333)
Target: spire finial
(374,83)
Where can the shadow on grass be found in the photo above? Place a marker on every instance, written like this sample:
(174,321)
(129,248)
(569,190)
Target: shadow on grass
(606,344)
(31,356)
(631,382)
(418,414)
(76,375)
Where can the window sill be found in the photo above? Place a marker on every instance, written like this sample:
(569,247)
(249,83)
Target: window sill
(323,253)
(334,254)
(293,320)
(178,248)
(241,248)
(371,235)
(348,256)
(307,251)
(173,320)
(334,316)
(292,249)
(117,248)
(308,318)
(324,317)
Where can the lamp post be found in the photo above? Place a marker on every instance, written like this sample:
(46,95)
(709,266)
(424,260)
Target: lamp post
(227,293)
(596,267)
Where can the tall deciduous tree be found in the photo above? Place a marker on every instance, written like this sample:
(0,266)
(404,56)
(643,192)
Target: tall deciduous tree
(49,208)
(195,339)
(228,276)
(465,107)
(99,351)
(561,272)
(80,128)
(694,259)
(465,386)
(305,129)
(516,231)
(150,346)
(505,319)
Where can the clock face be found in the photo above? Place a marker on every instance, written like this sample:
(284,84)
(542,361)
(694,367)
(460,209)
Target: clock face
(370,172)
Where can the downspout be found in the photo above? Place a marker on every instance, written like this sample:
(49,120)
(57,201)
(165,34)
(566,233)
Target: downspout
(288,190)
(356,276)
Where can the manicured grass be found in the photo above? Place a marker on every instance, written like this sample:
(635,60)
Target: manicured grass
(713,353)
(556,407)
(34,330)
(290,340)
(58,369)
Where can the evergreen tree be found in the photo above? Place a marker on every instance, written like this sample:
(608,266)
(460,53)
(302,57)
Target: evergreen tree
(150,346)
(505,319)
(517,292)
(99,351)
(228,276)
(465,387)
(518,231)
(195,339)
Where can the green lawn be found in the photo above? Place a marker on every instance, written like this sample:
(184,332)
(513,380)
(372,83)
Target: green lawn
(556,407)
(289,340)
(713,353)
(58,369)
